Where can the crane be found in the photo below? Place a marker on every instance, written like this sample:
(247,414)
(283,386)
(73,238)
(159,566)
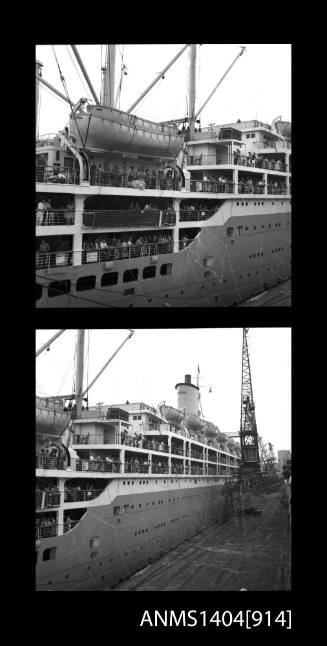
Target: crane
(250,459)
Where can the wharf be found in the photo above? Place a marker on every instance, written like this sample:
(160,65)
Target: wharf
(279,296)
(251,552)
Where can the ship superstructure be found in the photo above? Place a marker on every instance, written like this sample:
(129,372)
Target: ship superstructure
(123,484)
(130,213)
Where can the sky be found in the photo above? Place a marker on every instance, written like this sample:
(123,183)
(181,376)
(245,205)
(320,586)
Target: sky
(257,87)
(153,361)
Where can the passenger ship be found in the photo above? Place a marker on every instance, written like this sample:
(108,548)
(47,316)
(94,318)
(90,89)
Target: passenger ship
(118,485)
(169,214)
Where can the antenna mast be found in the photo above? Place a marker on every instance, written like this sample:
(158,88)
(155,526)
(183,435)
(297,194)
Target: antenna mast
(250,461)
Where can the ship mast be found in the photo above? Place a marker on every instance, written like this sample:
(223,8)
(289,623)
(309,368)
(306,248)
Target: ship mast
(192,77)
(39,66)
(108,77)
(79,371)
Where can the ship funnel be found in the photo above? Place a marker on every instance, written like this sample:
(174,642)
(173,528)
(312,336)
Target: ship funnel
(188,396)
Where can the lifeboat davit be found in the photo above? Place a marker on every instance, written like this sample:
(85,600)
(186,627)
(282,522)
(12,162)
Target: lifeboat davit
(105,128)
(194,422)
(51,418)
(210,430)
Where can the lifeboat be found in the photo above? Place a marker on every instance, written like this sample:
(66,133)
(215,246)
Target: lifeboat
(284,128)
(172,414)
(210,430)
(194,422)
(51,418)
(105,128)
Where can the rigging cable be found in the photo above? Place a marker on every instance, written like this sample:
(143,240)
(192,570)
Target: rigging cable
(68,97)
(77,70)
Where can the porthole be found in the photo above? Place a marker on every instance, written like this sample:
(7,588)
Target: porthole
(130,275)
(149,272)
(84,283)
(111,278)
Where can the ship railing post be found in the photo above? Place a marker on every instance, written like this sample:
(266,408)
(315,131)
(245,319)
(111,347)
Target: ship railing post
(78,228)
(60,517)
(265,177)
(122,459)
(169,454)
(235,180)
(150,460)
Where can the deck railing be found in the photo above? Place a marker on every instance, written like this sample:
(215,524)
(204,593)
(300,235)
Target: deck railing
(54,217)
(49,463)
(98,465)
(81,495)
(236,160)
(48,531)
(195,215)
(129,218)
(46,499)
(57,175)
(121,180)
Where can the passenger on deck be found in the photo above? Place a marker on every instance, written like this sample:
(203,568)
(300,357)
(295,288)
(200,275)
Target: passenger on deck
(69,213)
(40,213)
(44,251)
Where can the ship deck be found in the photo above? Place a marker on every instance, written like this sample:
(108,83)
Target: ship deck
(249,552)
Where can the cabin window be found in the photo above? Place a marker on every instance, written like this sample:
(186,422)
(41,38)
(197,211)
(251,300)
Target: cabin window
(230,231)
(57,155)
(129,275)
(38,292)
(129,292)
(49,554)
(58,287)
(95,541)
(116,510)
(252,135)
(111,278)
(248,136)
(166,269)
(84,283)
(149,272)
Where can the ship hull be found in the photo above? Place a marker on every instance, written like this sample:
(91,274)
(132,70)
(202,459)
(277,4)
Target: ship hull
(162,514)
(256,258)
